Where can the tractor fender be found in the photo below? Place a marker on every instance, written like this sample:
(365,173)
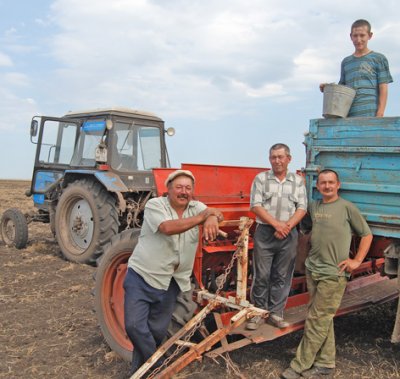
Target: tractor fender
(109,180)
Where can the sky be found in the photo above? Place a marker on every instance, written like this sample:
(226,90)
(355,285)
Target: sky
(232,77)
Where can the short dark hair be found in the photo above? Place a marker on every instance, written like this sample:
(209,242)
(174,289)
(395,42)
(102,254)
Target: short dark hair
(280,146)
(327,171)
(360,23)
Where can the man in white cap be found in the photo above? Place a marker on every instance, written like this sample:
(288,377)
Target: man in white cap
(162,262)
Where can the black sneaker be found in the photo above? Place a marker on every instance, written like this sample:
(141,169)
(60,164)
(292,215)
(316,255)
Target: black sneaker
(318,372)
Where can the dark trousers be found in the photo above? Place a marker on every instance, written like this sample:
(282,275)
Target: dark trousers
(148,312)
(273,266)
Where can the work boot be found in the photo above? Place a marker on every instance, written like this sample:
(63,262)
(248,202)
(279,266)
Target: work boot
(277,321)
(317,372)
(254,322)
(289,373)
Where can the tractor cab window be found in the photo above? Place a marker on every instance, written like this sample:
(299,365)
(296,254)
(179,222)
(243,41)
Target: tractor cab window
(149,147)
(92,132)
(57,142)
(134,147)
(122,147)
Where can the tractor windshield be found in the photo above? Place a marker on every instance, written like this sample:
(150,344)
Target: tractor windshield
(92,132)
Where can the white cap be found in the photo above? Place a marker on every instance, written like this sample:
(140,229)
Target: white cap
(177,173)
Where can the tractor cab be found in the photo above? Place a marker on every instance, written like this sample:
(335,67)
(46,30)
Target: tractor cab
(116,140)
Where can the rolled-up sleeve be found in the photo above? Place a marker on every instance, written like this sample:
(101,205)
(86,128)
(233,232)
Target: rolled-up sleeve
(155,212)
(256,194)
(302,196)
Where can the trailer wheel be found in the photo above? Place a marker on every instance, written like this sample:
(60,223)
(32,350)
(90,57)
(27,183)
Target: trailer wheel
(14,228)
(109,291)
(86,220)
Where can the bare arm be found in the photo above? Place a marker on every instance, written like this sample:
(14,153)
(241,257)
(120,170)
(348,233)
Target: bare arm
(170,227)
(210,229)
(349,264)
(382,99)
(181,225)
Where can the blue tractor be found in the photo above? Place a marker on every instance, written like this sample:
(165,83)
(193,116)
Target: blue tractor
(91,179)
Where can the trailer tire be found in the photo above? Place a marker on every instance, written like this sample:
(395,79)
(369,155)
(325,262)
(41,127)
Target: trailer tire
(86,219)
(14,228)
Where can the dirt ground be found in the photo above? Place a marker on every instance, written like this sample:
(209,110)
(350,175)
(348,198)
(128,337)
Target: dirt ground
(48,328)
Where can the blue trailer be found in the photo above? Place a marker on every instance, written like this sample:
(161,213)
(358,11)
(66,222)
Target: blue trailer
(366,154)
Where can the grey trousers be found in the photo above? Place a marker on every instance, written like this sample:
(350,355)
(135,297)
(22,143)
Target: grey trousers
(273,266)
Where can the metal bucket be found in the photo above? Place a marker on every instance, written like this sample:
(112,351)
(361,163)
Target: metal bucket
(337,100)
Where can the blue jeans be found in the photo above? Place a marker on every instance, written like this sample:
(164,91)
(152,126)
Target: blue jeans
(148,312)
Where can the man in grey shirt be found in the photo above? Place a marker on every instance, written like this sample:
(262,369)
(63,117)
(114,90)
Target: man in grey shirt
(162,262)
(279,201)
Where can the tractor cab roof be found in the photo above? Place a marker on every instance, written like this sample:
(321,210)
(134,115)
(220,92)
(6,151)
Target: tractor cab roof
(117,111)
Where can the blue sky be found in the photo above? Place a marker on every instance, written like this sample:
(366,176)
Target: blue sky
(232,77)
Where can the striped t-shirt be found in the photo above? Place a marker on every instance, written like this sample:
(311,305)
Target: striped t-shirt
(364,74)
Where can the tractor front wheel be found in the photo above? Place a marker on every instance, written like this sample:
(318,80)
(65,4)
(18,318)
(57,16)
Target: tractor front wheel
(14,228)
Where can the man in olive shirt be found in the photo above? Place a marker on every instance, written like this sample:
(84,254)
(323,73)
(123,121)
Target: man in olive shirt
(328,267)
(162,262)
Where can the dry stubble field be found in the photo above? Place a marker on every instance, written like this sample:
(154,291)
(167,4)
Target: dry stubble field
(48,328)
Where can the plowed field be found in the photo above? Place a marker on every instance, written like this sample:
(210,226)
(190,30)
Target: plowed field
(48,328)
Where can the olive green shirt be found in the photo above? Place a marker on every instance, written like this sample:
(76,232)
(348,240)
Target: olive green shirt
(157,257)
(332,227)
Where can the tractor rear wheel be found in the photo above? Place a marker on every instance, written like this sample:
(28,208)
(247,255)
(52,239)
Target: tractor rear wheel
(14,228)
(109,291)
(109,295)
(86,220)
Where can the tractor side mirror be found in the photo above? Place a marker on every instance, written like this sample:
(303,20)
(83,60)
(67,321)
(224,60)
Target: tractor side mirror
(34,128)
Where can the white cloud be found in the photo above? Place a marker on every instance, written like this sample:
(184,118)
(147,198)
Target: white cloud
(197,53)
(267,90)
(229,62)
(194,58)
(5,60)
(16,79)
(16,113)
